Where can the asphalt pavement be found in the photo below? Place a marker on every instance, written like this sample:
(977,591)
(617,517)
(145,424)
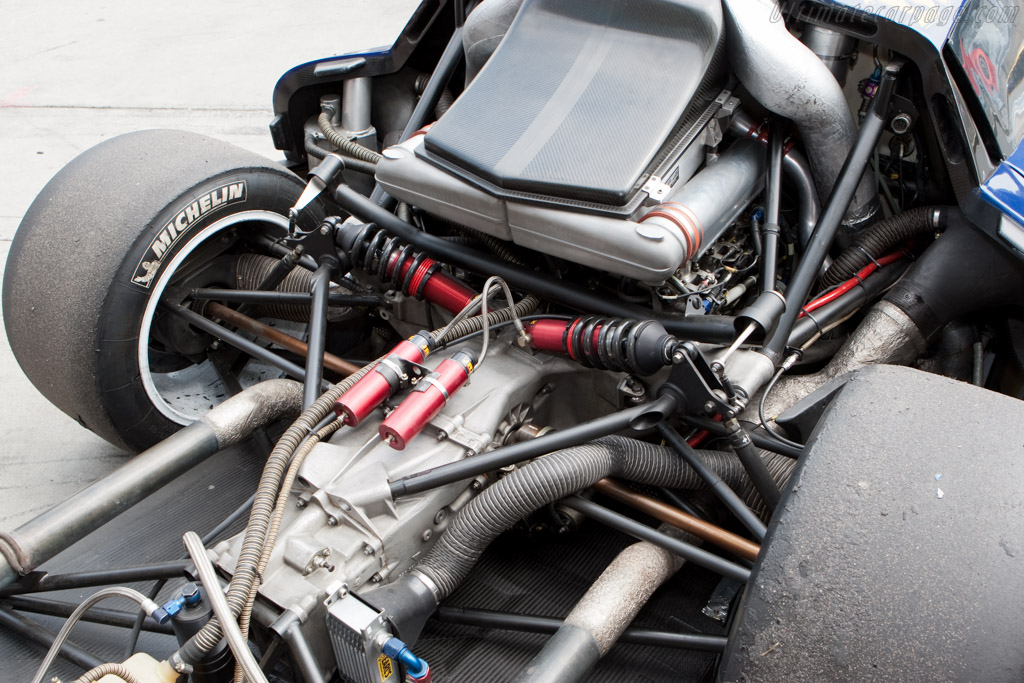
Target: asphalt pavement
(75,73)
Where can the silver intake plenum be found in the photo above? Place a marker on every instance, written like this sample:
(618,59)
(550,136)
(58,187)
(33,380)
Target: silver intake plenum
(714,197)
(649,249)
(786,77)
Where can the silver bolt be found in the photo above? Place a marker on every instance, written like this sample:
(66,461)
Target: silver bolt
(440,515)
(709,407)
(678,357)
(427,534)
(325,229)
(376,578)
(367,550)
(442,435)
(332,520)
(476,485)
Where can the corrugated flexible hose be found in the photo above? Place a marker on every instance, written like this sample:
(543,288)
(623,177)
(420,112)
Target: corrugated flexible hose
(560,474)
(247,566)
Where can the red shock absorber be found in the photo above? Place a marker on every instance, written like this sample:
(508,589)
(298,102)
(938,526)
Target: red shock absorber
(428,398)
(640,347)
(423,278)
(401,267)
(387,377)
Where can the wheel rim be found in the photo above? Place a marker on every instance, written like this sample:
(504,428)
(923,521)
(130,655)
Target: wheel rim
(183,396)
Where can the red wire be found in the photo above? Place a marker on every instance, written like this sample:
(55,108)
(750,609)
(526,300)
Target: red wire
(696,439)
(699,437)
(851,283)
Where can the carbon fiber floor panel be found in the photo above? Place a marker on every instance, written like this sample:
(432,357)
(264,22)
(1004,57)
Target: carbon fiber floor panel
(149,532)
(546,576)
(540,575)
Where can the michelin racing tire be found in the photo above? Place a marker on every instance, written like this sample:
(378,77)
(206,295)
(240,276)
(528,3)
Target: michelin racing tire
(96,250)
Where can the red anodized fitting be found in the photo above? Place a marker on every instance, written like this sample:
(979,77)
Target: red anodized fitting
(428,281)
(387,377)
(428,398)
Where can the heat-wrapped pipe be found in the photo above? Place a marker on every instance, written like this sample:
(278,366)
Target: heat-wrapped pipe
(603,613)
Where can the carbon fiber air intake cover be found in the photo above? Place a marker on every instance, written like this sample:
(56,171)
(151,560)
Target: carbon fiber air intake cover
(581,98)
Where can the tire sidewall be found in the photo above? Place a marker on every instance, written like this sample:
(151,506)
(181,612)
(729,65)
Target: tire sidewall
(174,228)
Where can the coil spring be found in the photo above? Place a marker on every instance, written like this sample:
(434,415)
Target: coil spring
(609,343)
(378,253)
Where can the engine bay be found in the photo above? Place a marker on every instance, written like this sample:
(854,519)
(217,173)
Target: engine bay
(573,302)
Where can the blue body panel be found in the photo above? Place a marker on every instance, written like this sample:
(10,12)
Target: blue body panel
(1005,188)
(935,20)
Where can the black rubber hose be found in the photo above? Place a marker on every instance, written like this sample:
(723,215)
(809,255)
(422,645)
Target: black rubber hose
(883,237)
(703,328)
(823,319)
(444,103)
(964,271)
(560,474)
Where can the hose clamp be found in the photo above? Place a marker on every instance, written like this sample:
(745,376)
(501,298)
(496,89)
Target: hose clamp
(436,383)
(394,367)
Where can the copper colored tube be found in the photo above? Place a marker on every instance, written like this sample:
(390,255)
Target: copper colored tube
(286,341)
(677,518)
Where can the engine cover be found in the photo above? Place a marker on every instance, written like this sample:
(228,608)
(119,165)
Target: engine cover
(581,99)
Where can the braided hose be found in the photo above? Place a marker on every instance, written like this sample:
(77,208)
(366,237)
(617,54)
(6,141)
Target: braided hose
(256,532)
(247,566)
(275,525)
(345,146)
(526,306)
(498,247)
(560,474)
(317,152)
(102,670)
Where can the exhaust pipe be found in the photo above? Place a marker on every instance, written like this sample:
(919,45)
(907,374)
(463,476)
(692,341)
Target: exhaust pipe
(786,77)
(39,539)
(604,612)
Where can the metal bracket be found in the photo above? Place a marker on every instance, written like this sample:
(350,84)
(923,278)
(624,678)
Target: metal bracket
(449,429)
(656,188)
(701,390)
